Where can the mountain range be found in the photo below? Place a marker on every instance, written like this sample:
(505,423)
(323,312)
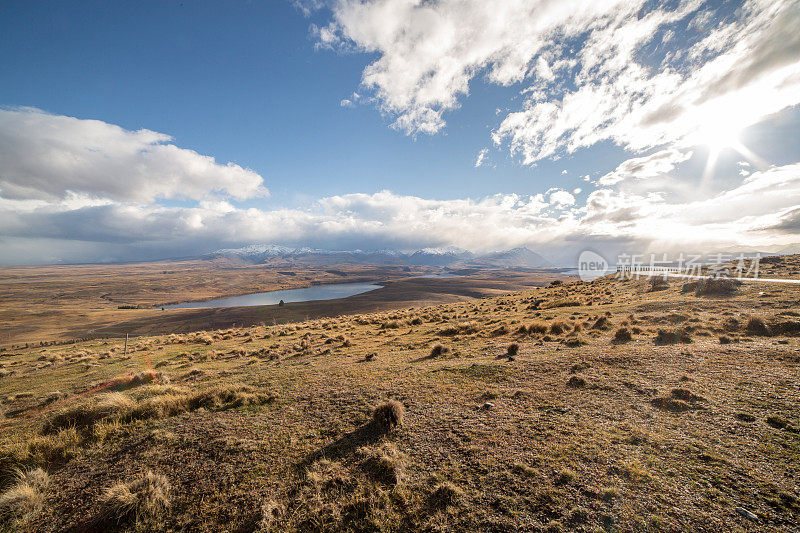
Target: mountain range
(442,257)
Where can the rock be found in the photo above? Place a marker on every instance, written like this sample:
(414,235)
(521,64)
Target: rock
(747,514)
(487,406)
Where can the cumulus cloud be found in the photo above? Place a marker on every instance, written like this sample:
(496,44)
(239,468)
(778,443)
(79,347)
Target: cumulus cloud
(52,157)
(589,71)
(550,221)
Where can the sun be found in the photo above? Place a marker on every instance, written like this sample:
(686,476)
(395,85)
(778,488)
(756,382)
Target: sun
(720,135)
(719,131)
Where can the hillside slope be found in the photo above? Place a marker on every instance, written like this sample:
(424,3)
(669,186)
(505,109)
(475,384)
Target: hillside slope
(624,406)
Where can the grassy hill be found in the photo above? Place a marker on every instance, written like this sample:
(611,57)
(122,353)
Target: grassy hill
(606,406)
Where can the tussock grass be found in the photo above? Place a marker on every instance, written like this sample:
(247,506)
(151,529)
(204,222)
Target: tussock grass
(439,349)
(143,499)
(25,497)
(389,415)
(558,327)
(117,406)
(623,335)
(673,336)
(384,463)
(757,325)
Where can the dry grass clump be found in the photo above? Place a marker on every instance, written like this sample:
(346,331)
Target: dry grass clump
(756,325)
(538,326)
(715,286)
(143,499)
(559,326)
(602,323)
(658,283)
(574,341)
(674,336)
(439,349)
(112,405)
(513,349)
(678,401)
(119,407)
(566,302)
(463,328)
(446,495)
(389,414)
(576,382)
(623,335)
(24,499)
(384,464)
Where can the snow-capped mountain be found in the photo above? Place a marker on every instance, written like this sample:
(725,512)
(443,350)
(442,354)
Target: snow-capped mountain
(443,257)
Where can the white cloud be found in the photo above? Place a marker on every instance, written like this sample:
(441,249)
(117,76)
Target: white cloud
(654,165)
(561,198)
(596,71)
(51,157)
(481,157)
(552,222)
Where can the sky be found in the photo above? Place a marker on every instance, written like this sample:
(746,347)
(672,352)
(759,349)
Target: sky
(152,130)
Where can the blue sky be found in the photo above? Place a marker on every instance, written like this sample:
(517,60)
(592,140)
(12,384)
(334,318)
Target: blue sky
(597,122)
(242,81)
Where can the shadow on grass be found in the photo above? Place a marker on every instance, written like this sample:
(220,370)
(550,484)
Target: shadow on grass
(345,445)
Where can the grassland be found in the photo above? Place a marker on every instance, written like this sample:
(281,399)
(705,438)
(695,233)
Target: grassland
(60,303)
(606,406)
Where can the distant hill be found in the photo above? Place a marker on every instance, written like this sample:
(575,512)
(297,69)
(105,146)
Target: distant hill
(442,257)
(517,257)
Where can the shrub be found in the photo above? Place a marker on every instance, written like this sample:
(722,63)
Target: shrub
(512,349)
(144,498)
(601,323)
(565,302)
(389,414)
(558,327)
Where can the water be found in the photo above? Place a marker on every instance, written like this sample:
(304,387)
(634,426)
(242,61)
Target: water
(316,292)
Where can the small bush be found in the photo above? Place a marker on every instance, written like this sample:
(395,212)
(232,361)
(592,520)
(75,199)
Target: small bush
(574,341)
(389,414)
(558,327)
(512,349)
(537,327)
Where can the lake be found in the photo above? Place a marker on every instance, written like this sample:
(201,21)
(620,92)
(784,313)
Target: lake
(307,294)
